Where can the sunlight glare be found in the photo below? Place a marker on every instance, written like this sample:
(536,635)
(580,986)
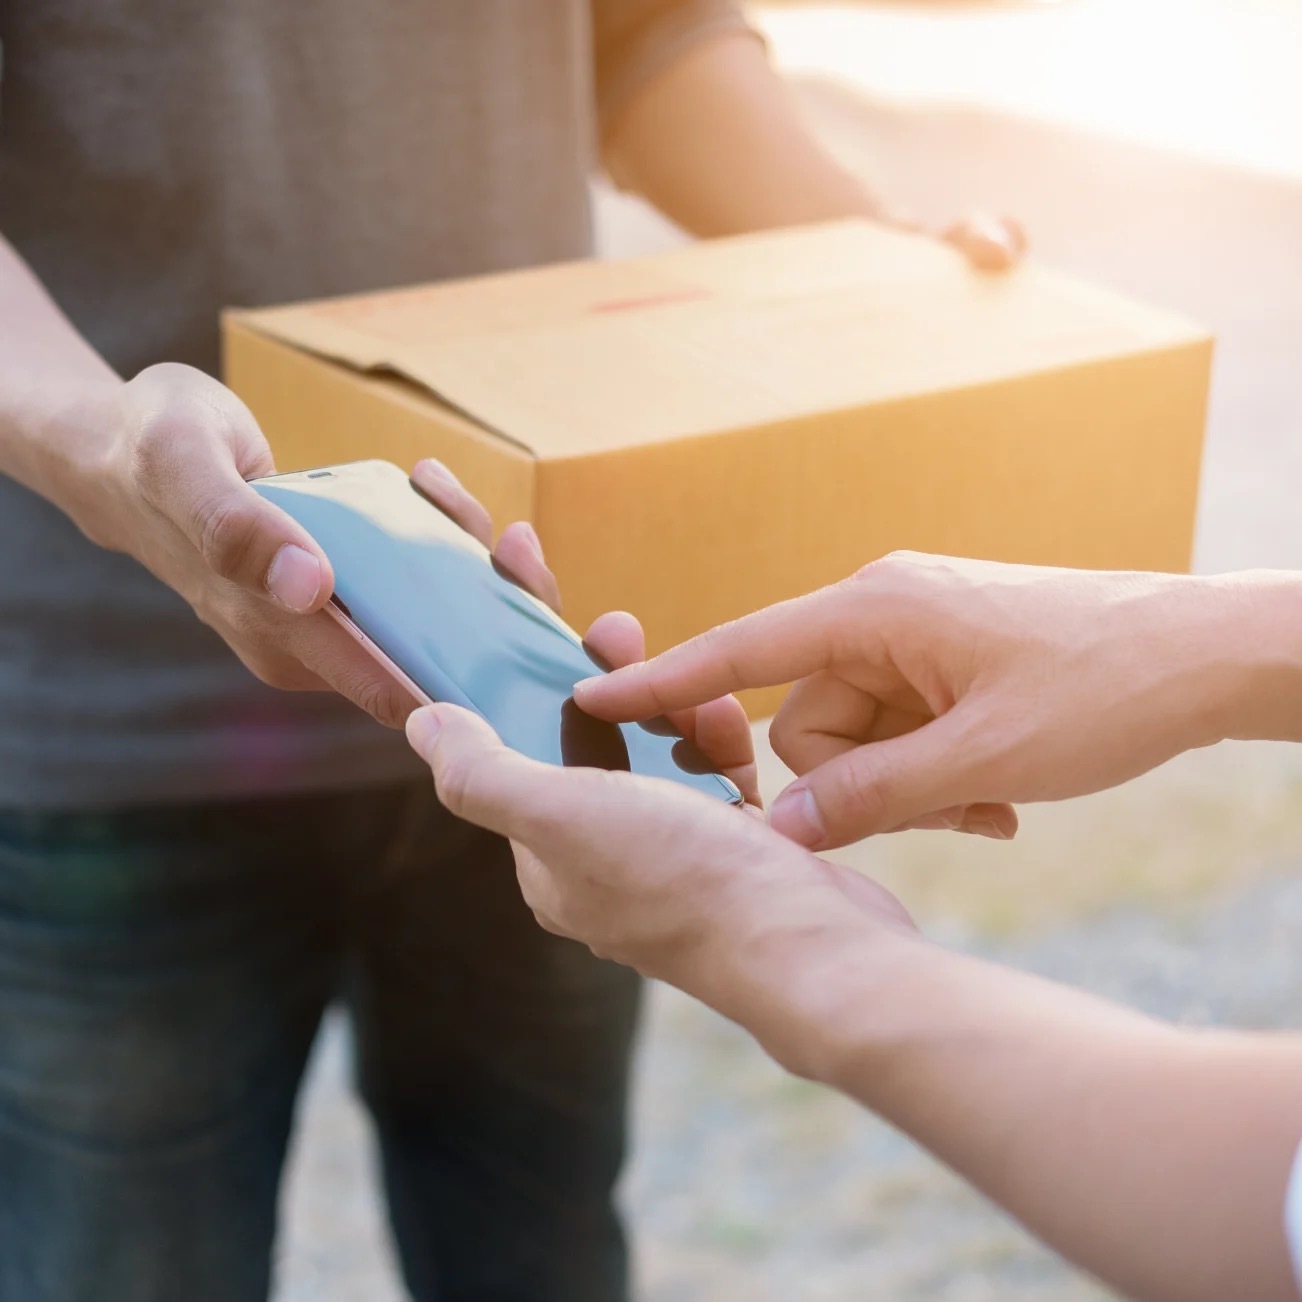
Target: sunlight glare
(1217,78)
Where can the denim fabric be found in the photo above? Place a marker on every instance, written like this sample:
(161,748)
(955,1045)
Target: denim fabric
(162,976)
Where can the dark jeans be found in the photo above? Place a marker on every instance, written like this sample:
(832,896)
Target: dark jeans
(162,976)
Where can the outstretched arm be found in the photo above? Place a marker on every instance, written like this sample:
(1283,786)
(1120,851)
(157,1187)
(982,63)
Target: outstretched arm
(1154,1157)
(714,138)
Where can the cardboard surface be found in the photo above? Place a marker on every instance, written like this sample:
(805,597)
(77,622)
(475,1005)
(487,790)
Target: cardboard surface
(705,431)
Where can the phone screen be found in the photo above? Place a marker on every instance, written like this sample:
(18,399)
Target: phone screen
(430,596)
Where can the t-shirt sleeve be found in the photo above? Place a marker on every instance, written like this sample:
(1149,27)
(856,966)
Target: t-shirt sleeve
(1293,1218)
(635,40)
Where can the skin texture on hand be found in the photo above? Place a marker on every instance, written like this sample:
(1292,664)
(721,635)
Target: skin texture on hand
(657,876)
(931,692)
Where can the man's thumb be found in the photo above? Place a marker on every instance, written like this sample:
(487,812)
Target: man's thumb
(247,539)
(876,787)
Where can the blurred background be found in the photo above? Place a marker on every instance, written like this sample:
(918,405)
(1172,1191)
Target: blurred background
(1154,146)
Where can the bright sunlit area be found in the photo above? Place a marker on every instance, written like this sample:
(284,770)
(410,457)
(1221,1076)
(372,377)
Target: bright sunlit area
(1155,147)
(1212,78)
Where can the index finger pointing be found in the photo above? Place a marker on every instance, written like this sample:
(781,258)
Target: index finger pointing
(776,645)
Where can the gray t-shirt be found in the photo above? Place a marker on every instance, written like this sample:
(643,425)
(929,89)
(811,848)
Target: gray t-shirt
(160,159)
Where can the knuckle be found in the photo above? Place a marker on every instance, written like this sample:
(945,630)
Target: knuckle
(386,703)
(153,447)
(862,798)
(885,566)
(178,409)
(163,375)
(229,537)
(162,450)
(364,685)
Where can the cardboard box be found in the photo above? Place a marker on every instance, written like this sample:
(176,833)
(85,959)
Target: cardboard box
(708,430)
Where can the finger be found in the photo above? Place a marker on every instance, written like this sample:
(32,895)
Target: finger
(615,639)
(822,716)
(772,646)
(998,822)
(880,786)
(723,735)
(445,490)
(330,654)
(519,552)
(943,820)
(483,781)
(988,243)
(719,729)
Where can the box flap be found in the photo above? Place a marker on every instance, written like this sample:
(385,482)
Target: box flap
(580,357)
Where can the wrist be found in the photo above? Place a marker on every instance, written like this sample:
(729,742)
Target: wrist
(55,447)
(801,983)
(71,456)
(1260,651)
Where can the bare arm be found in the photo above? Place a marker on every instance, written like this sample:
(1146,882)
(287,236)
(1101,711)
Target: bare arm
(1155,1158)
(717,142)
(46,367)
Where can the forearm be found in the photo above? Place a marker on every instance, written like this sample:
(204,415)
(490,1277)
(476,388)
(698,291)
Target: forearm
(46,370)
(718,144)
(1155,1158)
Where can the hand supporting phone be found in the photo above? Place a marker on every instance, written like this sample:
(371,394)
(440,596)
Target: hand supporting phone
(429,602)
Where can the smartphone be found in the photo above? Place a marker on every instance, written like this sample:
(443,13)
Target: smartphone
(429,603)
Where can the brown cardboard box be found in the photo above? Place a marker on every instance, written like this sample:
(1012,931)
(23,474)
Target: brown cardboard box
(702,432)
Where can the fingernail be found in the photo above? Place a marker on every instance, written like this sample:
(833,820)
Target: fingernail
(531,537)
(294,578)
(422,731)
(586,684)
(795,814)
(440,471)
(986,827)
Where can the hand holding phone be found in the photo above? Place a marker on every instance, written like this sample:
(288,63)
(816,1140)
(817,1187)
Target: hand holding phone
(430,602)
